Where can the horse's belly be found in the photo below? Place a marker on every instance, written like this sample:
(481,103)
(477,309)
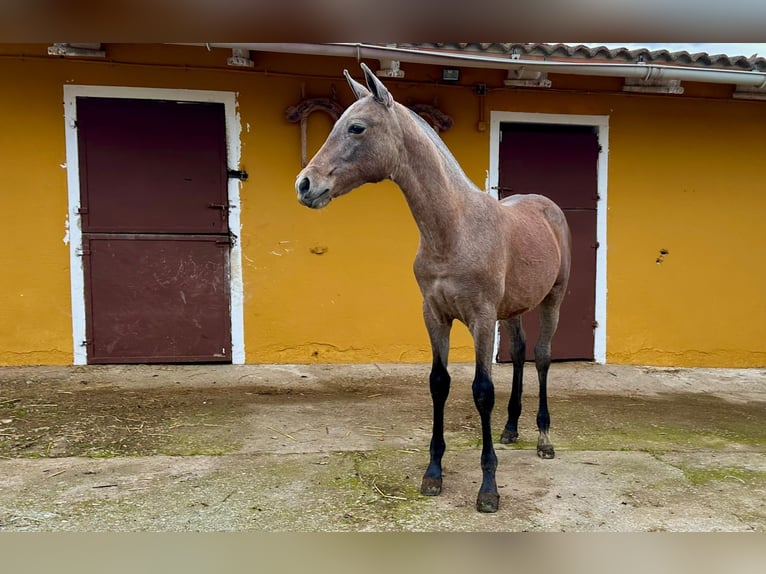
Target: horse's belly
(527,283)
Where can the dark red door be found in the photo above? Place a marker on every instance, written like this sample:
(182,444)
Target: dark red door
(155,230)
(559,161)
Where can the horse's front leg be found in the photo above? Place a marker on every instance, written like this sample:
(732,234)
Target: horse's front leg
(439,382)
(484,398)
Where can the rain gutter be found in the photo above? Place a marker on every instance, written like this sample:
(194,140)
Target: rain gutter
(641,71)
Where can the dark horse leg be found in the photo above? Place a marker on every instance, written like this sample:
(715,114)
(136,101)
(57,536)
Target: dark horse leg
(439,381)
(484,399)
(549,318)
(518,351)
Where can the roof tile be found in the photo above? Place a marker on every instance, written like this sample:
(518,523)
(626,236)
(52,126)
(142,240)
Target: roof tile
(579,52)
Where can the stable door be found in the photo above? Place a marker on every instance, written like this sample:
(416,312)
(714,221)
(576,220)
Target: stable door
(560,162)
(156,242)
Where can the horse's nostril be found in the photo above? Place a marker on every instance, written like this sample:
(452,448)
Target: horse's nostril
(304,185)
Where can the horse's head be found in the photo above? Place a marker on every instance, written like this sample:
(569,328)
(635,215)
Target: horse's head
(362,147)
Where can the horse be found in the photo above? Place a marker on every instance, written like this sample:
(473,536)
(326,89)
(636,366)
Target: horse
(479,260)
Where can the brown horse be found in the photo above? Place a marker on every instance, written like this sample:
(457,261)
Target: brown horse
(479,260)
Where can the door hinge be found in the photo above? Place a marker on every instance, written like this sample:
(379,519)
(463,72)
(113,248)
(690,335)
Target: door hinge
(596,245)
(82,210)
(595,324)
(237,174)
(83,251)
(86,343)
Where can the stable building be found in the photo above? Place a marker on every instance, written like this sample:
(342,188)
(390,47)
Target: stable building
(150,214)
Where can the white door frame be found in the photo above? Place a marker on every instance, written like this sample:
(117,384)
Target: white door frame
(601,123)
(233,147)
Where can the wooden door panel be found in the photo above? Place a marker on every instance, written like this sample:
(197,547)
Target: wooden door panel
(149,166)
(157,299)
(556,161)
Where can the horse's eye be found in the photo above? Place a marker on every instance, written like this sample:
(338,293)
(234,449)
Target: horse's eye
(356,129)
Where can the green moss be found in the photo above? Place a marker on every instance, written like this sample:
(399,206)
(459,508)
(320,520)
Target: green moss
(102,454)
(190,447)
(384,482)
(703,476)
(658,424)
(33,455)
(463,440)
(205,433)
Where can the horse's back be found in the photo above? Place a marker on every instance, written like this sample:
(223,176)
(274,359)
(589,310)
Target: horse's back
(532,209)
(535,202)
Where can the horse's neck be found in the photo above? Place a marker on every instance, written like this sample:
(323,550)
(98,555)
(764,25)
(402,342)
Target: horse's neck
(434,186)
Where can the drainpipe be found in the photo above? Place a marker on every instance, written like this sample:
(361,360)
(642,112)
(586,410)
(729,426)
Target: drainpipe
(755,81)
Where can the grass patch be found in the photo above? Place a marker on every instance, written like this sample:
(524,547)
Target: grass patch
(703,476)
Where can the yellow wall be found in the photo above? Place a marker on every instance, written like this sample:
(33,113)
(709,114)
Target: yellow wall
(689,184)
(684,175)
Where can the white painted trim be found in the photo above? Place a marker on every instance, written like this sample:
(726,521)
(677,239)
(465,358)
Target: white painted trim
(76,271)
(599,344)
(601,123)
(233,154)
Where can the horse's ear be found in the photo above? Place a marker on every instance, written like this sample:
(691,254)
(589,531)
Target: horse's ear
(379,91)
(359,90)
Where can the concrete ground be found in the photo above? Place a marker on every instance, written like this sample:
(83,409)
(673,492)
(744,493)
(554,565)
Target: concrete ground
(343,447)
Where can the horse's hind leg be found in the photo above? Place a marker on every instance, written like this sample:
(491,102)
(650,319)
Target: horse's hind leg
(439,382)
(549,318)
(484,399)
(518,351)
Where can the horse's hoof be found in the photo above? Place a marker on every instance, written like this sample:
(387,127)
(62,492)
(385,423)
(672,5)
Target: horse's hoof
(487,502)
(431,486)
(546,452)
(509,436)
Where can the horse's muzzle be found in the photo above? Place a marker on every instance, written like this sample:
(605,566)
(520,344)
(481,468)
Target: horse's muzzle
(315,199)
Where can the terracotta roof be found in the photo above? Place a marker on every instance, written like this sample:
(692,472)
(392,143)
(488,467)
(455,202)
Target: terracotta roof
(581,52)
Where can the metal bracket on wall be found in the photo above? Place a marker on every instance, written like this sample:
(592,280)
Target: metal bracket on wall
(522,77)
(653,86)
(300,113)
(236,174)
(438,120)
(750,93)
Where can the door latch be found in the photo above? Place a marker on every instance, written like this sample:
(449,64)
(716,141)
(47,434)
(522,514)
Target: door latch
(237,174)
(224,207)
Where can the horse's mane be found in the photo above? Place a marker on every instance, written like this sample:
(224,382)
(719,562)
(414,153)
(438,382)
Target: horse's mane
(449,158)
